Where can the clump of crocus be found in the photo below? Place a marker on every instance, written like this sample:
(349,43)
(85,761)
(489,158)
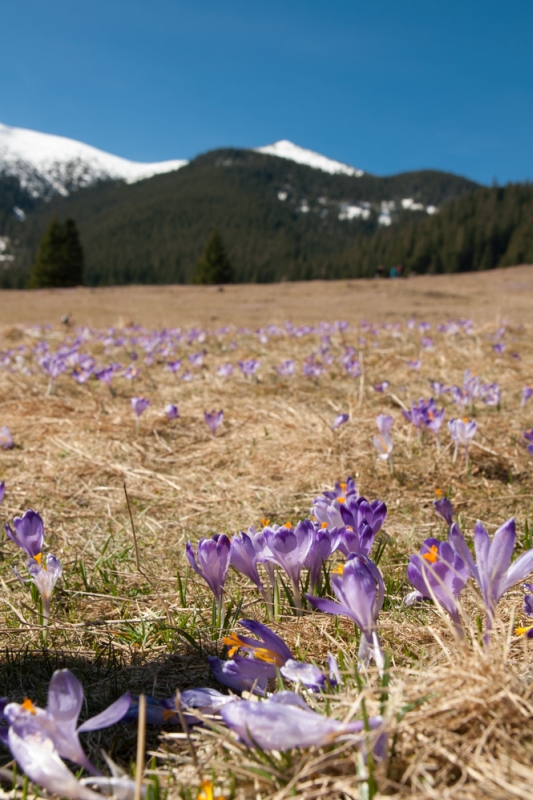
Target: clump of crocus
(462,432)
(339,420)
(225,370)
(326,507)
(6,440)
(286,369)
(213,420)
(139,406)
(438,573)
(383,442)
(493,571)
(360,591)
(28,534)
(171,411)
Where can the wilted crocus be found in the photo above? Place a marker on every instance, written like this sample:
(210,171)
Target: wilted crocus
(439,573)
(493,571)
(59,719)
(289,547)
(213,562)
(527,393)
(207,702)
(6,440)
(360,590)
(213,419)
(284,721)
(171,411)
(462,432)
(28,533)
(339,420)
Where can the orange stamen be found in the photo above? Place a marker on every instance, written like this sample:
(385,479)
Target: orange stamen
(27,705)
(432,555)
(341,499)
(523,631)
(38,558)
(343,486)
(438,492)
(261,653)
(324,525)
(264,522)
(339,569)
(288,525)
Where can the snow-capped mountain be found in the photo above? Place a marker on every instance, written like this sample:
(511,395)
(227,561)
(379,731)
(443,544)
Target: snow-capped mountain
(47,164)
(290,151)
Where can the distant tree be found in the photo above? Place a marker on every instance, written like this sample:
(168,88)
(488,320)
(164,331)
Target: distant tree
(214,266)
(59,261)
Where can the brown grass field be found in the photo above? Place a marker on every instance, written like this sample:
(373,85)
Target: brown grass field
(459,717)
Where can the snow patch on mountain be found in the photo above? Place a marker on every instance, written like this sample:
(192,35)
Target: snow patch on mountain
(46,164)
(292,152)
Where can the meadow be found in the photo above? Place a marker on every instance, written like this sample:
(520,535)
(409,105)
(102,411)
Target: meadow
(438,706)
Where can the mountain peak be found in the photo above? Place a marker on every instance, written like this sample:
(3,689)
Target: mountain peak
(293,152)
(47,164)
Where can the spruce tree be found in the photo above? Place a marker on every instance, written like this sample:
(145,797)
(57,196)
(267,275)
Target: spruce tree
(214,266)
(59,261)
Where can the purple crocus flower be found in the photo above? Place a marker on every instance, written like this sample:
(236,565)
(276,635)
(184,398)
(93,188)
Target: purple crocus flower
(249,367)
(213,419)
(174,366)
(2,491)
(527,393)
(139,405)
(106,375)
(528,436)
(383,442)
(28,533)
(357,511)
(414,364)
(381,387)
(60,718)
(286,369)
(38,758)
(434,419)
(45,579)
(417,414)
(171,411)
(213,562)
(284,721)
(499,347)
(360,590)
(324,543)
(131,372)
(6,440)
(444,509)
(493,571)
(225,370)
(440,574)
(196,359)
(462,432)
(326,507)
(339,420)
(243,558)
(242,674)
(289,548)
(207,702)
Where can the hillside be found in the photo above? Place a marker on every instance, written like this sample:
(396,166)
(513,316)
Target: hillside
(279,219)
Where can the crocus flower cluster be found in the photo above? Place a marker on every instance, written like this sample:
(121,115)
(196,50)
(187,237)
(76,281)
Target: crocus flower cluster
(28,534)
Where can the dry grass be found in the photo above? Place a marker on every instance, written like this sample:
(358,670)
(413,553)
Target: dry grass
(460,718)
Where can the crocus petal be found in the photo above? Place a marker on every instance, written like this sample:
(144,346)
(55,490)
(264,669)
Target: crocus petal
(112,714)
(242,674)
(331,607)
(300,672)
(65,699)
(519,569)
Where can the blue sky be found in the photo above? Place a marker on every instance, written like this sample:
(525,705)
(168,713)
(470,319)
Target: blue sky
(384,85)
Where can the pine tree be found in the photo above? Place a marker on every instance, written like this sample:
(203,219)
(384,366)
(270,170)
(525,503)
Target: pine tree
(214,266)
(59,261)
